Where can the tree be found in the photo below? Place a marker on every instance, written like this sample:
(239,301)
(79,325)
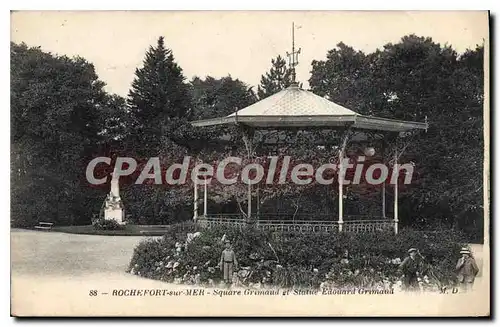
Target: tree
(219,97)
(416,79)
(159,102)
(466,193)
(160,110)
(55,105)
(114,118)
(277,79)
(425,79)
(214,98)
(345,78)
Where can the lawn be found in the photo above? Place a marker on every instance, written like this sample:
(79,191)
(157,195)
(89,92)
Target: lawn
(129,230)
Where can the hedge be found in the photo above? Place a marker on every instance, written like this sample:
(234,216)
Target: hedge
(297,260)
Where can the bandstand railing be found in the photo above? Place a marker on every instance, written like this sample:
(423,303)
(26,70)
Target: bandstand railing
(351,224)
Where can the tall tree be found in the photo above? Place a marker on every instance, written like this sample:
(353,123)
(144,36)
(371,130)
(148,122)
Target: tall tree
(55,105)
(344,78)
(159,102)
(466,146)
(276,79)
(113,119)
(220,97)
(411,80)
(420,78)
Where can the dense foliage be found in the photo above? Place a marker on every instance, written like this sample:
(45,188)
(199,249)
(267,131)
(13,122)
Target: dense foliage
(107,224)
(278,78)
(58,108)
(299,260)
(160,105)
(417,79)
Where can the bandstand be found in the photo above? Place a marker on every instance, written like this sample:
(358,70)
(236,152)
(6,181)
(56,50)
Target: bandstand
(297,109)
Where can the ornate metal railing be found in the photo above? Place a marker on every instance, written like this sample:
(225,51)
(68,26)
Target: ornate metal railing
(368,226)
(365,225)
(210,222)
(298,226)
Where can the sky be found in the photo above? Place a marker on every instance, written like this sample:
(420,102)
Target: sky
(241,44)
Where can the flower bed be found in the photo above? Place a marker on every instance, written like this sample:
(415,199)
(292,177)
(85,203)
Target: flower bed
(297,260)
(107,224)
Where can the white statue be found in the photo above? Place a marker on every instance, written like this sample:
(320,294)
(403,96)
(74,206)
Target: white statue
(113,208)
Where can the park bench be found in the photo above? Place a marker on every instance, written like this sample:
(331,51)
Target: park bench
(44,226)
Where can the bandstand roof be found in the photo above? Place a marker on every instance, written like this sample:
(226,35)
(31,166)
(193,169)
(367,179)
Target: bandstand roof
(295,107)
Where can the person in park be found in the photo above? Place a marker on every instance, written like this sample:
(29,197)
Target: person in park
(411,268)
(228,262)
(467,270)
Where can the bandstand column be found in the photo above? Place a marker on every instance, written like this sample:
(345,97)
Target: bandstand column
(383,200)
(205,198)
(249,201)
(341,189)
(383,184)
(396,169)
(247,139)
(340,179)
(195,201)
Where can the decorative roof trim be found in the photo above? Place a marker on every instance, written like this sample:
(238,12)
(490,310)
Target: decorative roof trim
(356,121)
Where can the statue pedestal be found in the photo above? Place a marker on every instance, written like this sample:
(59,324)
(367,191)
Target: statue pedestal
(114,210)
(116,214)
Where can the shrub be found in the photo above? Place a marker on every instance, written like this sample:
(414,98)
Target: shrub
(296,260)
(107,224)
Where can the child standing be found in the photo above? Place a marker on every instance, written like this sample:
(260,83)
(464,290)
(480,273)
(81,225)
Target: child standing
(228,262)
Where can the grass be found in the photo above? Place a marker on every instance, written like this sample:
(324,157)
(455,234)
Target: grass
(129,230)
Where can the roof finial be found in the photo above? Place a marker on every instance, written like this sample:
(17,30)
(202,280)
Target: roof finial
(293,57)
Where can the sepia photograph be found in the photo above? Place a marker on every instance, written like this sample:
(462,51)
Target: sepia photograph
(250,164)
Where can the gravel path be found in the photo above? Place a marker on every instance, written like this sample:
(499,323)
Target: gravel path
(61,254)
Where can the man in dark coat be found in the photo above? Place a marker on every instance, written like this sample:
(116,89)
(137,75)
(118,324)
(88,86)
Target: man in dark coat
(411,267)
(466,270)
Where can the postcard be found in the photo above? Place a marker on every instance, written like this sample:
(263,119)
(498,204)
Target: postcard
(250,163)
